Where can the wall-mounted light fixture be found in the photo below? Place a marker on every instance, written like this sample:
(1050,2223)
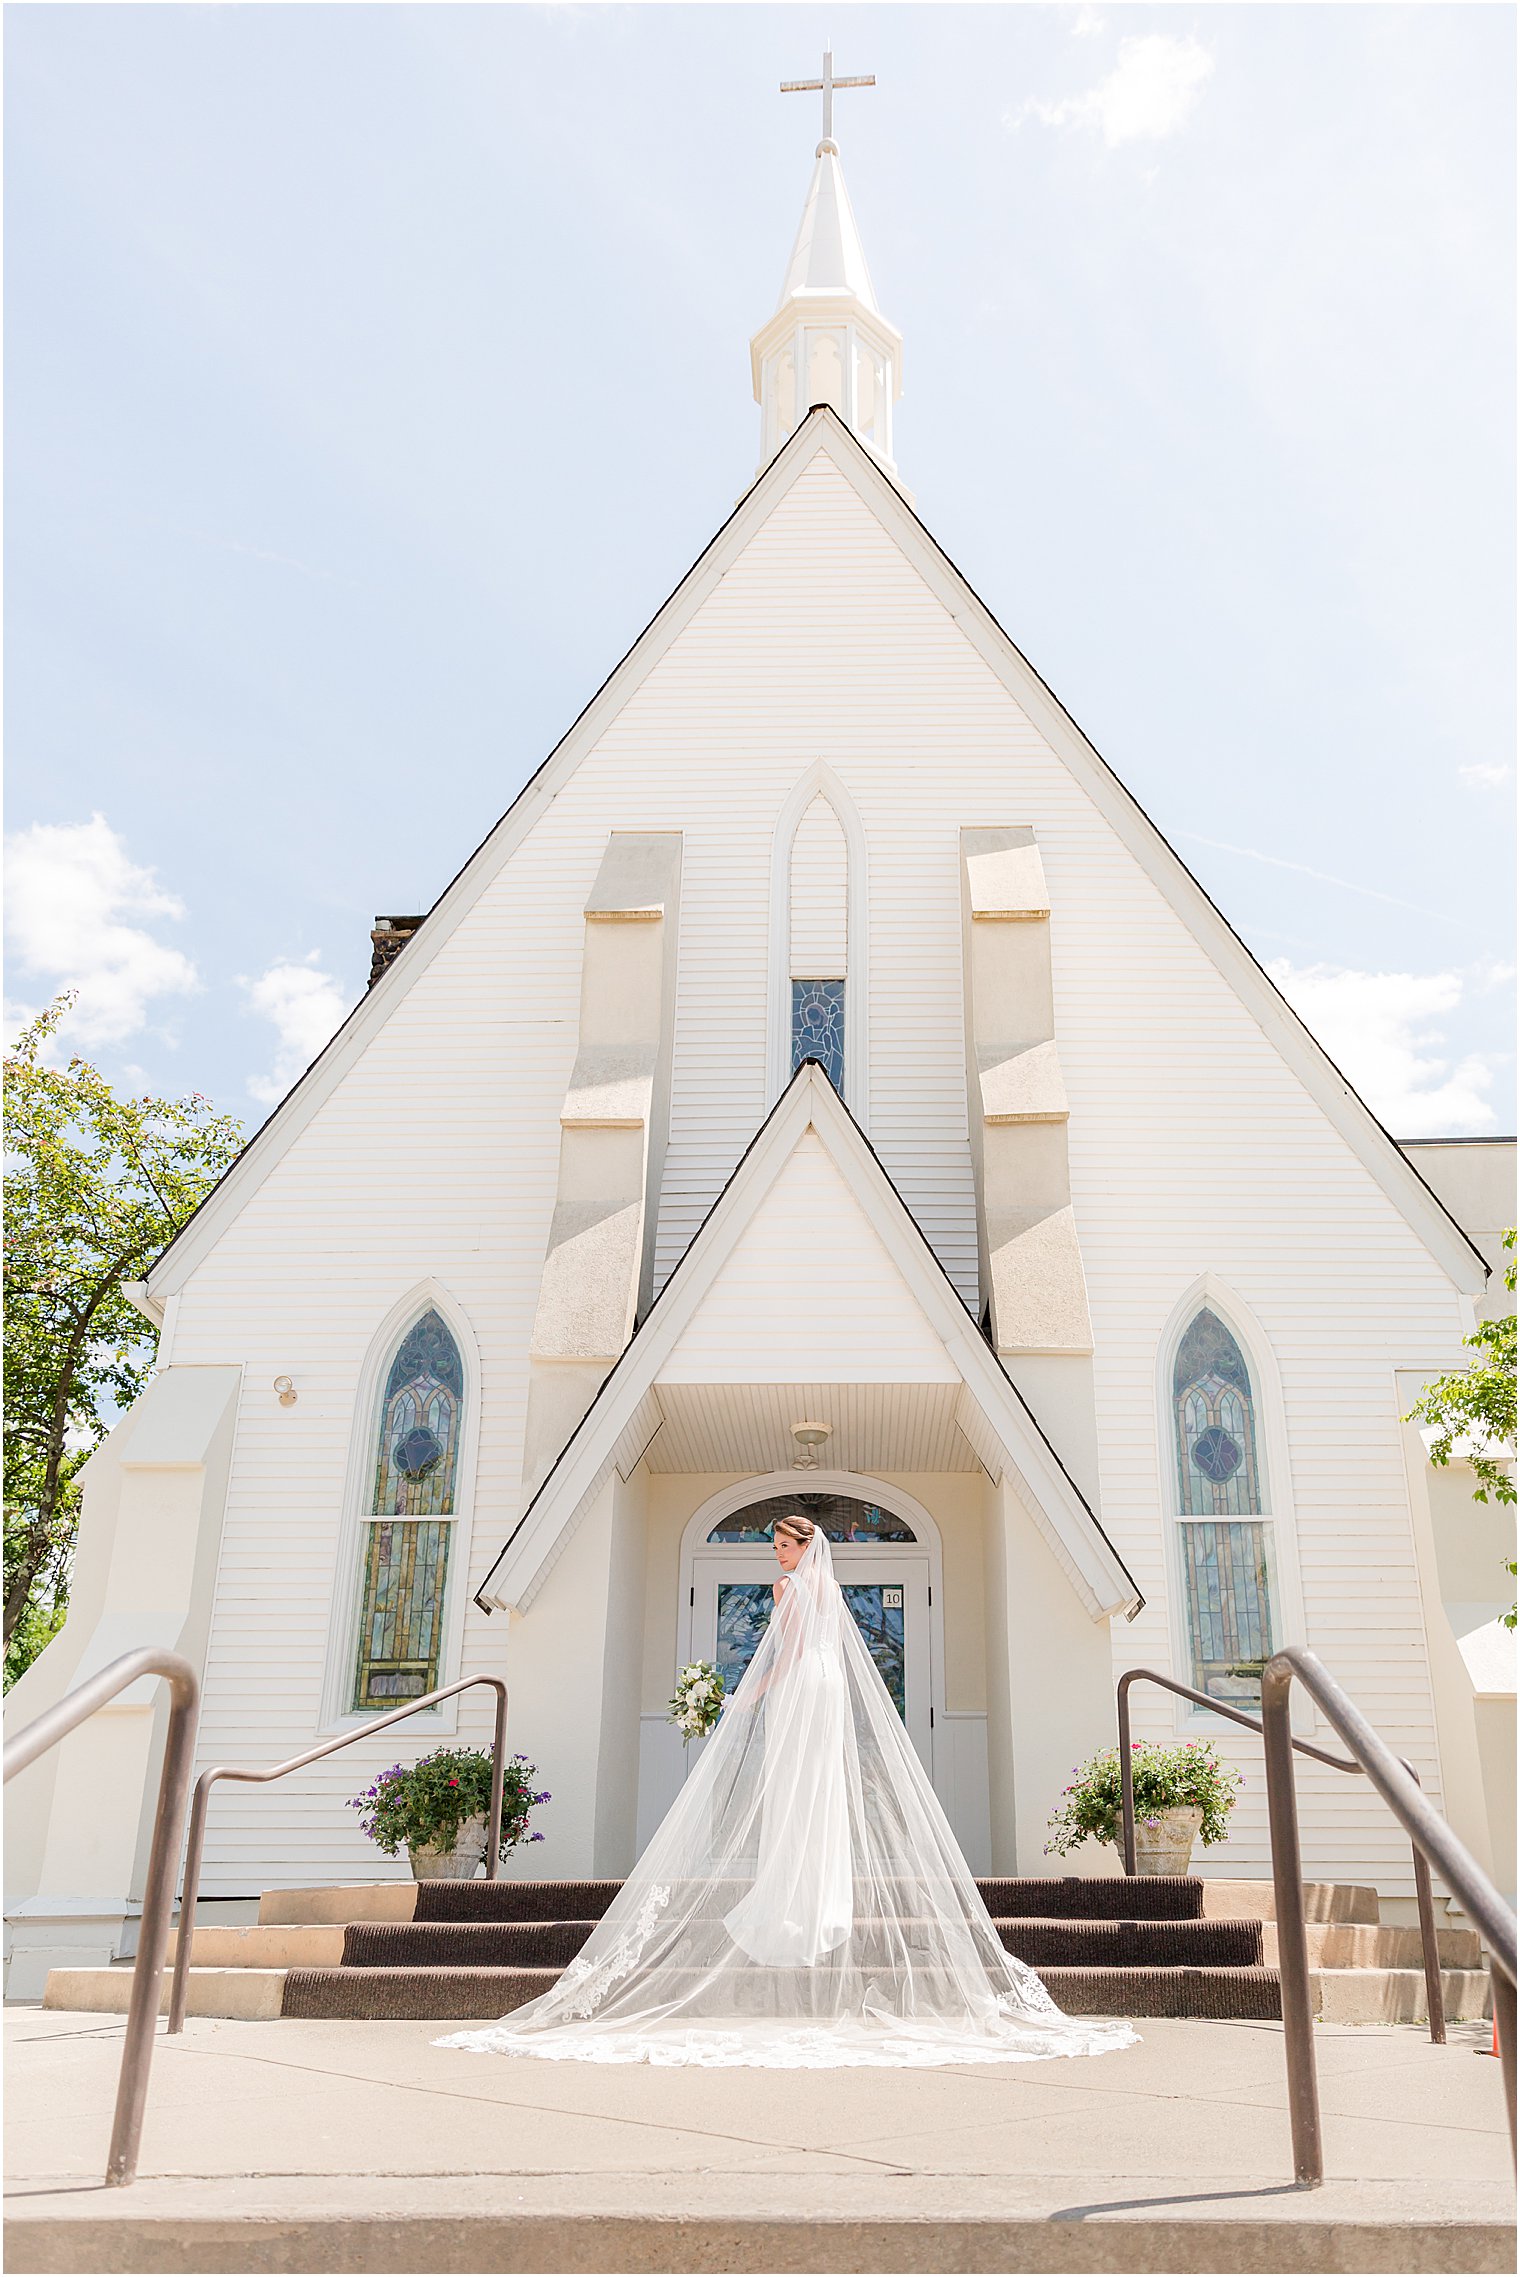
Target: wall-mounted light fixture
(286,1390)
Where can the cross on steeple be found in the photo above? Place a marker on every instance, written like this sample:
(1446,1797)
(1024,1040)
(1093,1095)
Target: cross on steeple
(825,86)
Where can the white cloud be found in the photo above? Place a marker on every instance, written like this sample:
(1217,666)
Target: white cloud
(1384,1031)
(307,1006)
(1087,24)
(1484,778)
(75,905)
(1150,93)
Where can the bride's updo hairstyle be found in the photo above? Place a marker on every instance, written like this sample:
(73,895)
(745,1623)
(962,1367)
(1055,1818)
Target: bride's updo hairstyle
(799,1529)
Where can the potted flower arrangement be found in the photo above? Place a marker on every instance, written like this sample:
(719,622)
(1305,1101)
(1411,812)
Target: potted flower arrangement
(1183,1794)
(697,1701)
(437,1809)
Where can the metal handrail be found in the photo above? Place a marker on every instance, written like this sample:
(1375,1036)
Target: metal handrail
(1432,1838)
(46,1731)
(195,1847)
(1435,1997)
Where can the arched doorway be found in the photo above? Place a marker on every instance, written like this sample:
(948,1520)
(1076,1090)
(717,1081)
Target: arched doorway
(885,1553)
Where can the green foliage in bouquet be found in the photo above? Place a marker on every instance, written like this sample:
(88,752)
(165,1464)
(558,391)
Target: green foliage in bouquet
(1189,1776)
(697,1701)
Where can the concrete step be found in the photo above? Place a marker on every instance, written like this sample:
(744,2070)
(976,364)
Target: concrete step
(1142,1897)
(1225,1943)
(484,1993)
(280,1945)
(339,1902)
(1257,1901)
(254,1995)
(444,1994)
(1369,1945)
(1396,1996)
(1120,2225)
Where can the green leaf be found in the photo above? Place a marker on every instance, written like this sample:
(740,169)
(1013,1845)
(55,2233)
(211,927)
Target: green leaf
(97,1184)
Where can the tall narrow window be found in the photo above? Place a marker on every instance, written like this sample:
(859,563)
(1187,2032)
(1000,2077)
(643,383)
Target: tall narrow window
(1223,1515)
(818,940)
(407,1530)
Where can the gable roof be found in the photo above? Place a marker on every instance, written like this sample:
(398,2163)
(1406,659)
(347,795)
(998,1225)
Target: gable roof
(996,1419)
(823,431)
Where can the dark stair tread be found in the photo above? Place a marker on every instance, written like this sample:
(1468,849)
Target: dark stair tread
(1072,1897)
(480,1994)
(1040,1942)
(514,1901)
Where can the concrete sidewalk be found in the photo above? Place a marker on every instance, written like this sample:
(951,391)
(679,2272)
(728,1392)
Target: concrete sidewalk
(311,2146)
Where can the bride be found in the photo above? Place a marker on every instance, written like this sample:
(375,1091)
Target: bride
(804,1903)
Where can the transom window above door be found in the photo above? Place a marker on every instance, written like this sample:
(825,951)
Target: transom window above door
(841,1516)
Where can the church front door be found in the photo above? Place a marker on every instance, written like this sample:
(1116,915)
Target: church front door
(886,1589)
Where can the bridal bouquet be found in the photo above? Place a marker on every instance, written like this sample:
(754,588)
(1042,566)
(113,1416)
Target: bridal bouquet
(696,1701)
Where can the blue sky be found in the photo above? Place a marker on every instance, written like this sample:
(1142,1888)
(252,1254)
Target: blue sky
(375,372)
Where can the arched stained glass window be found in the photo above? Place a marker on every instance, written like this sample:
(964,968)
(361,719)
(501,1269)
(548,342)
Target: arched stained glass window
(1216,1423)
(842,1517)
(1225,1529)
(409,1525)
(418,1451)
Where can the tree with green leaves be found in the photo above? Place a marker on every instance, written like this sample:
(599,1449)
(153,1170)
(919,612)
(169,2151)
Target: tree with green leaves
(1473,1410)
(96,1185)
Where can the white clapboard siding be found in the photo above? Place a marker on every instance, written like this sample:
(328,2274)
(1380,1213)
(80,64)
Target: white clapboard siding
(1193,1149)
(820,895)
(809,1290)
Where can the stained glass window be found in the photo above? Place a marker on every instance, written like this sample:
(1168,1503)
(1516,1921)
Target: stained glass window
(406,1537)
(1229,1608)
(1216,1424)
(418,1449)
(842,1518)
(818,1027)
(1226,1563)
(745,1608)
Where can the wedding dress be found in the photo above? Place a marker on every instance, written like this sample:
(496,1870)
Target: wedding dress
(804,1903)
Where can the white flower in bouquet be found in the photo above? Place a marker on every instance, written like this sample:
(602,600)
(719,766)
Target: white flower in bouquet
(697,1700)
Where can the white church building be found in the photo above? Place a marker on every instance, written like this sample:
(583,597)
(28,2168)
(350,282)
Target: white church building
(825,1083)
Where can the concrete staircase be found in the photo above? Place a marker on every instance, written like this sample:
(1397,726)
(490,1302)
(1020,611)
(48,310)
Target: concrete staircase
(451,1951)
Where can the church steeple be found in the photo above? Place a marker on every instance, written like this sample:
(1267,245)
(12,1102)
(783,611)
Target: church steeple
(828,342)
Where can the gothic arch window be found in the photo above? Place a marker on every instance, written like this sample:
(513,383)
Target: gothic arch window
(818,938)
(1223,1510)
(409,1513)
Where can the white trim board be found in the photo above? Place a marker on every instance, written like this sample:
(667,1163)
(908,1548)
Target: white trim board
(823,432)
(810,1103)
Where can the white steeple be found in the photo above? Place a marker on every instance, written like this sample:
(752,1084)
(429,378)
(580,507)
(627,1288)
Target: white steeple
(828,342)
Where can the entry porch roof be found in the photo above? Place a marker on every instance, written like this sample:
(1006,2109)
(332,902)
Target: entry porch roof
(810,1286)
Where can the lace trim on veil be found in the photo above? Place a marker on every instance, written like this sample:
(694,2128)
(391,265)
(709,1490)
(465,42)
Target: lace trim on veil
(587,1981)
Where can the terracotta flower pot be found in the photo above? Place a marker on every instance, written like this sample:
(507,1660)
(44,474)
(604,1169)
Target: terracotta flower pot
(1164,1840)
(461,1863)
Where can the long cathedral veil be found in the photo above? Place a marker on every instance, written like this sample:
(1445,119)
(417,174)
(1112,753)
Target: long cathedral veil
(804,1903)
